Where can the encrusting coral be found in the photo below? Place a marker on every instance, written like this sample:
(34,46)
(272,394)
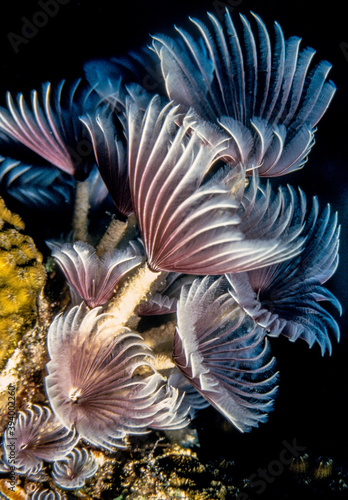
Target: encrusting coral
(22,276)
(194,232)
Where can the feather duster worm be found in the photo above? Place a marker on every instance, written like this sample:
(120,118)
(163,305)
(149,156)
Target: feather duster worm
(190,220)
(266,96)
(72,472)
(223,353)
(91,278)
(284,298)
(192,400)
(46,495)
(192,226)
(50,127)
(110,149)
(101,382)
(37,436)
(35,187)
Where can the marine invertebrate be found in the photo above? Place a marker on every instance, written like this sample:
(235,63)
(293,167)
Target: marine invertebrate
(22,277)
(266,97)
(46,494)
(110,149)
(223,354)
(284,298)
(189,226)
(100,380)
(40,189)
(51,127)
(35,437)
(72,472)
(192,398)
(91,278)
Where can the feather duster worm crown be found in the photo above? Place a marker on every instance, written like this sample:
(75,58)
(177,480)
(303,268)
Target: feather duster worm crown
(93,383)
(284,298)
(192,226)
(223,353)
(46,495)
(110,149)
(35,187)
(91,278)
(264,95)
(51,128)
(38,437)
(72,472)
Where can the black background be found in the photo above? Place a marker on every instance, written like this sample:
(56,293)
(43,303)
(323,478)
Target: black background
(311,405)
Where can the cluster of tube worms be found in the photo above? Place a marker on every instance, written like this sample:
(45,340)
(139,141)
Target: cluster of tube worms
(196,232)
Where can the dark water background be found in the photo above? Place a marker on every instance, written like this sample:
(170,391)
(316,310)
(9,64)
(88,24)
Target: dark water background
(311,406)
